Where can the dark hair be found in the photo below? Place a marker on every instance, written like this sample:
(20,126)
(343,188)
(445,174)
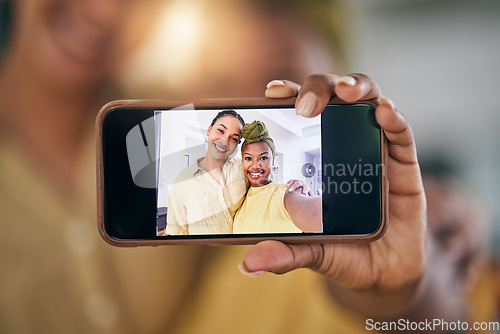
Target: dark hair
(228,113)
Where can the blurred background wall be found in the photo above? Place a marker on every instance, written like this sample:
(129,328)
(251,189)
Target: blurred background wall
(439,60)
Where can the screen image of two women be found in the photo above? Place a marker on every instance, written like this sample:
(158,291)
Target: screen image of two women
(220,194)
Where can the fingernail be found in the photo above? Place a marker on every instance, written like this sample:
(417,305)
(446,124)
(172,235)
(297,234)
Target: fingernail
(245,272)
(347,80)
(385,100)
(306,104)
(273,83)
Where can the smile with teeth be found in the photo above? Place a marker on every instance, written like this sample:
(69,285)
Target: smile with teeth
(255,174)
(220,148)
(77,36)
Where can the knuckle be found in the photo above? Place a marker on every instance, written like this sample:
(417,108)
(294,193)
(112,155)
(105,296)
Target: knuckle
(323,78)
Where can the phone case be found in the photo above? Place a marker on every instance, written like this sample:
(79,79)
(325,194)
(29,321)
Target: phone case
(299,239)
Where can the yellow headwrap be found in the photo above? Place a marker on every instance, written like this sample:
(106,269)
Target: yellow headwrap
(255,132)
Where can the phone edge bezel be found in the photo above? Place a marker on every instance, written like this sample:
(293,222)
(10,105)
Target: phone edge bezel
(223,102)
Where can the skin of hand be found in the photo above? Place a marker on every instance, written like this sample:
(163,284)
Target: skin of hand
(380,278)
(298,184)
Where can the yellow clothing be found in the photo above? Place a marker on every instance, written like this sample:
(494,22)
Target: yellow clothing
(56,273)
(59,276)
(197,204)
(263,211)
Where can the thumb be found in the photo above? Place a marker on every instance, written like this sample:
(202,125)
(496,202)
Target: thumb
(279,258)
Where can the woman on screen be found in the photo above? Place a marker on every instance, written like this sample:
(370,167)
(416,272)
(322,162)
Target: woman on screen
(205,195)
(268,206)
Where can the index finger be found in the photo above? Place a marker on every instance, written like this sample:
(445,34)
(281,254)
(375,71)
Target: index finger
(318,89)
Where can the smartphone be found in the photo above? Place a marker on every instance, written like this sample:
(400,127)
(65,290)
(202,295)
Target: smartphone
(155,186)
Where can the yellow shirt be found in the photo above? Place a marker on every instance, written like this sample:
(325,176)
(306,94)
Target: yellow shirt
(263,211)
(56,273)
(198,204)
(59,276)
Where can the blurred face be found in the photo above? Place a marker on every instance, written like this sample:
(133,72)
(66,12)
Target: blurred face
(257,48)
(257,163)
(67,42)
(229,49)
(223,137)
(458,227)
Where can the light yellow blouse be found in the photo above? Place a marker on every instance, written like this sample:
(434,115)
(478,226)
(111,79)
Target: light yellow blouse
(59,276)
(263,211)
(198,204)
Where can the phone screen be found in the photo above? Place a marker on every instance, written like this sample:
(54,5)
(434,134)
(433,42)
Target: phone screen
(186,173)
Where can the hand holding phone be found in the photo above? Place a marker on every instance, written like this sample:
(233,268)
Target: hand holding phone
(378,277)
(175,176)
(391,265)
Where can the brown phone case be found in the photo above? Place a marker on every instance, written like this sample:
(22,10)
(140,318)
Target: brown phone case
(162,104)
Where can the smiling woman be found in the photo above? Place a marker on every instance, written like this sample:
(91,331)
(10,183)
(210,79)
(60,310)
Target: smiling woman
(268,206)
(205,195)
(64,55)
(200,176)
(203,47)
(56,71)
(77,41)
(257,153)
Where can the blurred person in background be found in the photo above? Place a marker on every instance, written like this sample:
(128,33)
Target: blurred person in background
(224,48)
(60,65)
(57,275)
(462,285)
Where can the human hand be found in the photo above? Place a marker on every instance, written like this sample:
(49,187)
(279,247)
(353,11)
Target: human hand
(296,184)
(389,268)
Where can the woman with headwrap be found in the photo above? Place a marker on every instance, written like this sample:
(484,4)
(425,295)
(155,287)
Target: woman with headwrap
(268,206)
(206,195)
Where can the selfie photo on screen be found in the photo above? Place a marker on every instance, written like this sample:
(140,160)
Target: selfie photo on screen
(215,173)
